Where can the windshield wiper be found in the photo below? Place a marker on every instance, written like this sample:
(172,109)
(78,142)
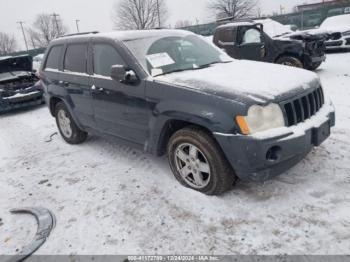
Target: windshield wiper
(286,33)
(193,68)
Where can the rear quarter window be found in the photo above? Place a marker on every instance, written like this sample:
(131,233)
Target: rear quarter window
(53,58)
(75,59)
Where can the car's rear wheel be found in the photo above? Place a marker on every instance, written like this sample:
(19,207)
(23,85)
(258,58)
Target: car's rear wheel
(290,61)
(199,163)
(70,132)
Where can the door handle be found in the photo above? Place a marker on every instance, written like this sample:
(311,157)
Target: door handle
(97,89)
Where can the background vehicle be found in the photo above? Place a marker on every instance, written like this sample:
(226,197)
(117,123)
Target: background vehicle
(19,86)
(339,24)
(269,41)
(37,60)
(169,91)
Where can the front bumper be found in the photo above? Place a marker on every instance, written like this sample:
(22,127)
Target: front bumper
(318,59)
(270,153)
(31,97)
(343,43)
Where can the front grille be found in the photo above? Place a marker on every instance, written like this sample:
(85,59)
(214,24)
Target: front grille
(334,43)
(298,110)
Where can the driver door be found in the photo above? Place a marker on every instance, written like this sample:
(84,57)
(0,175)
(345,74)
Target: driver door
(120,109)
(252,45)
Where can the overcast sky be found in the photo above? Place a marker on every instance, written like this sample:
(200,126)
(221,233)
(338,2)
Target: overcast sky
(96,14)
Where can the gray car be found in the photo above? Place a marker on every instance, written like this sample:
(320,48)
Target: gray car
(171,92)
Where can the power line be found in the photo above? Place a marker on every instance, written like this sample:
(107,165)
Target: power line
(24,35)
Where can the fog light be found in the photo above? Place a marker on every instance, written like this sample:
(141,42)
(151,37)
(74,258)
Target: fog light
(274,154)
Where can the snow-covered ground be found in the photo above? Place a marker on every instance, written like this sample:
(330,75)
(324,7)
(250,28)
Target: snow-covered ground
(111,199)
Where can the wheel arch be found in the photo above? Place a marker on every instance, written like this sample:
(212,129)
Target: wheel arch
(170,127)
(289,54)
(54,100)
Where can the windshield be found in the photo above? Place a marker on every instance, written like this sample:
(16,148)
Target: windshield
(163,55)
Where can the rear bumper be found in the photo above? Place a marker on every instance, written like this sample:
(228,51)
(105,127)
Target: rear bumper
(268,154)
(32,98)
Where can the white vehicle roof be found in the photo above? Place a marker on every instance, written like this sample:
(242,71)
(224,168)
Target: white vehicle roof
(340,22)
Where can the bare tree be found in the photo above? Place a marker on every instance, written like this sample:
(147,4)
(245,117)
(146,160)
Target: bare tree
(139,14)
(183,23)
(236,9)
(46,27)
(8,44)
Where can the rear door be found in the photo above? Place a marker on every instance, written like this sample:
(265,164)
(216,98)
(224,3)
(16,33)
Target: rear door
(77,82)
(227,40)
(50,72)
(120,109)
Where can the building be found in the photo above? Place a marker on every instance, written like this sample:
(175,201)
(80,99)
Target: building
(323,4)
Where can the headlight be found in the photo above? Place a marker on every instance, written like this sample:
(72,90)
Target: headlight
(261,118)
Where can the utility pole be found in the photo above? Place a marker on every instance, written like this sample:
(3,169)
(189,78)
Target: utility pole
(24,35)
(159,24)
(54,15)
(77,24)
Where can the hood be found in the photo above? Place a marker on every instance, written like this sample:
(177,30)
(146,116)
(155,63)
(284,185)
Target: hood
(315,35)
(13,64)
(241,80)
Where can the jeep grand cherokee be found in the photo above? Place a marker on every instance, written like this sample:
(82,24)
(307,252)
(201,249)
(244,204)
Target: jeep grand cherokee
(171,92)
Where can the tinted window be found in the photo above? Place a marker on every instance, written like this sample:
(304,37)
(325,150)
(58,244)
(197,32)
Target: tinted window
(228,35)
(105,56)
(54,57)
(75,59)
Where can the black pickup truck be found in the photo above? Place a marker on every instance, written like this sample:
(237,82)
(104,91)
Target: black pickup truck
(268,41)
(19,85)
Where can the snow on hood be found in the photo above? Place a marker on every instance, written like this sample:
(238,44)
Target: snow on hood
(259,81)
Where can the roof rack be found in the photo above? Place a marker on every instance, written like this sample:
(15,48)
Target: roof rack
(232,19)
(83,33)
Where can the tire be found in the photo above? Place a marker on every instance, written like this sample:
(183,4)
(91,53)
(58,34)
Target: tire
(290,61)
(313,66)
(66,123)
(215,174)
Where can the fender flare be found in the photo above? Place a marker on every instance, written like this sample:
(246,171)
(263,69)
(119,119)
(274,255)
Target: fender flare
(46,223)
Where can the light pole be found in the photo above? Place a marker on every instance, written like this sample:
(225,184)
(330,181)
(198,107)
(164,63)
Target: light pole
(77,24)
(159,24)
(24,35)
(54,15)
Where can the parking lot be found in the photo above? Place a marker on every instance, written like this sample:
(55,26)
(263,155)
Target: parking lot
(111,199)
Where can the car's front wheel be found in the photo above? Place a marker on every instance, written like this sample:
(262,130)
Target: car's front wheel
(198,162)
(70,132)
(290,61)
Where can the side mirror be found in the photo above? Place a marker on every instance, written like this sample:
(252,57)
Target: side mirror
(124,75)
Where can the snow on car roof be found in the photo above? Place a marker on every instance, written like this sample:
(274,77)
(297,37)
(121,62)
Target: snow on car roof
(132,34)
(273,28)
(336,22)
(236,24)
